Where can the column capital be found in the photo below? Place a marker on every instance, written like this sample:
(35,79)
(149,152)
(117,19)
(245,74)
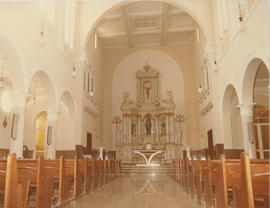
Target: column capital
(52,115)
(246,109)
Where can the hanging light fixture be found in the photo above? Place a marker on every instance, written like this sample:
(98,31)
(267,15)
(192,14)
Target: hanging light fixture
(42,40)
(2,74)
(215,66)
(200,89)
(241,16)
(74,73)
(92,85)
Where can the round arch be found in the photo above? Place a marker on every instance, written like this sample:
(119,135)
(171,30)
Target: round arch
(232,129)
(251,66)
(70,98)
(156,60)
(49,85)
(170,78)
(66,121)
(172,2)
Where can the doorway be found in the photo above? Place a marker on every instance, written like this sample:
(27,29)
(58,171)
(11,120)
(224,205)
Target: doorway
(89,143)
(210,143)
(41,127)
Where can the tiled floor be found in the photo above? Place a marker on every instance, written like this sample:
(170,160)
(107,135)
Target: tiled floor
(137,191)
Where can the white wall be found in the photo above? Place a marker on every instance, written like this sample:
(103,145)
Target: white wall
(170,78)
(182,54)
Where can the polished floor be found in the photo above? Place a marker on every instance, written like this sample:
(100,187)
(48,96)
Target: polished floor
(137,191)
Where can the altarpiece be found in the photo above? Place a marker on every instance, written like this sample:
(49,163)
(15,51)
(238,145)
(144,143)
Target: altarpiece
(148,122)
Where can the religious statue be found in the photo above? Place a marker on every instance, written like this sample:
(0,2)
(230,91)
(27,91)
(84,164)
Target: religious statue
(169,100)
(147,88)
(163,128)
(126,100)
(148,125)
(147,93)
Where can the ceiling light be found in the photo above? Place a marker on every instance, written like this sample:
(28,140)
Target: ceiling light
(74,73)
(1,82)
(215,66)
(91,93)
(2,74)
(42,40)
(200,89)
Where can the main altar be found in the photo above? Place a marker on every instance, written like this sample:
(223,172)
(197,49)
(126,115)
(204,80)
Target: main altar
(148,124)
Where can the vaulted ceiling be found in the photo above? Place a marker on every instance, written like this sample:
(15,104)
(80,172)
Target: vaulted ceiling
(145,23)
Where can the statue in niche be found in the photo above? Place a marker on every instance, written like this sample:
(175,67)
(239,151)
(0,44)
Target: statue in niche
(133,129)
(148,125)
(147,93)
(126,100)
(147,90)
(169,100)
(163,128)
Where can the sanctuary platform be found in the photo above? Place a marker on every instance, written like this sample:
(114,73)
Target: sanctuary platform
(134,169)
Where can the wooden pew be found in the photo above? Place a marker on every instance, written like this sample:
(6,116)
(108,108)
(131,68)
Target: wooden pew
(64,182)
(13,197)
(199,175)
(26,174)
(88,175)
(79,173)
(111,169)
(226,176)
(96,177)
(34,179)
(221,176)
(254,184)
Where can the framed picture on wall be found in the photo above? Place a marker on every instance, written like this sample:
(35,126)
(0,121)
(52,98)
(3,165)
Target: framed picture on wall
(14,126)
(49,134)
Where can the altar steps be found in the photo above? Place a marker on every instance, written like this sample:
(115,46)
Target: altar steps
(133,169)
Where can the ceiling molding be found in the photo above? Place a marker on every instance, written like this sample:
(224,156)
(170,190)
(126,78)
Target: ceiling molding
(111,34)
(125,17)
(163,39)
(145,23)
(175,12)
(182,29)
(121,34)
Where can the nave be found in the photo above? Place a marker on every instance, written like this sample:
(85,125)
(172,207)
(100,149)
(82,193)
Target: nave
(138,191)
(89,89)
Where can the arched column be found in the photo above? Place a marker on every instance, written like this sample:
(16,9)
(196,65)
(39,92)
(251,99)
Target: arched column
(16,145)
(246,112)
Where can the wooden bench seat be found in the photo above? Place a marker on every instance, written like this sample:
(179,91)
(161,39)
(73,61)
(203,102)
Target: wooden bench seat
(46,183)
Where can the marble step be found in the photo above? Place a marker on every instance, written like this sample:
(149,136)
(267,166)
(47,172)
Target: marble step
(132,168)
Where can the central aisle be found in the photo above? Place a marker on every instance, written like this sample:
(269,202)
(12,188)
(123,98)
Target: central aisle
(137,191)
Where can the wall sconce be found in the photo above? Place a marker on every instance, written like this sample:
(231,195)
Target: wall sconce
(42,40)
(91,93)
(1,82)
(242,26)
(215,66)
(5,122)
(74,73)
(200,89)
(2,74)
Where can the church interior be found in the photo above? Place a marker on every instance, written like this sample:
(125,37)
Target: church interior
(146,103)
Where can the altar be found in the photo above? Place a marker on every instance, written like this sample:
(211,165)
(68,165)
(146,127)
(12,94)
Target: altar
(148,120)
(148,155)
